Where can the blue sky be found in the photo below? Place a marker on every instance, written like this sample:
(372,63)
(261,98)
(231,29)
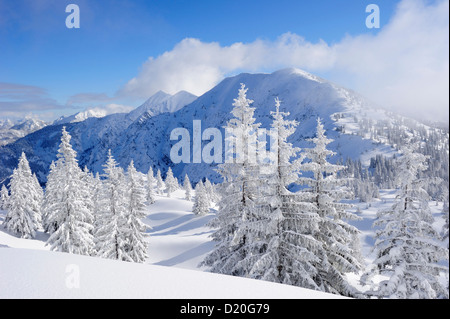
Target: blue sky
(125,51)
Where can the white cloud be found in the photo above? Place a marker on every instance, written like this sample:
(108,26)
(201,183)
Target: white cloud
(404,66)
(197,66)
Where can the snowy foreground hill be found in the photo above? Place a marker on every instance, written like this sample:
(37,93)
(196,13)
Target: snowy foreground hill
(177,243)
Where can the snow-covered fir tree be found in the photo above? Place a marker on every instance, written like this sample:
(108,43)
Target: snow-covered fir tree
(239,190)
(89,185)
(407,246)
(68,211)
(159,183)
(336,238)
(134,228)
(283,249)
(4,196)
(187,188)
(201,201)
(110,232)
(171,183)
(52,197)
(24,204)
(212,195)
(97,188)
(150,186)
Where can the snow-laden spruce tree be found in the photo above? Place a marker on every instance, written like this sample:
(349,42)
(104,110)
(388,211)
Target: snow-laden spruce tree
(201,200)
(335,252)
(52,197)
(159,183)
(150,181)
(69,211)
(283,249)
(407,246)
(24,204)
(212,195)
(239,190)
(134,227)
(187,188)
(89,185)
(171,183)
(110,231)
(4,196)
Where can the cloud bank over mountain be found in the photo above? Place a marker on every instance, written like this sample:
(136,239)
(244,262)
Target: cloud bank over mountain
(403,67)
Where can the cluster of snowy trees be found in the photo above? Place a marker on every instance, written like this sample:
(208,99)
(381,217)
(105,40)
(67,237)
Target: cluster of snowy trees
(408,247)
(81,213)
(265,231)
(400,132)
(97,216)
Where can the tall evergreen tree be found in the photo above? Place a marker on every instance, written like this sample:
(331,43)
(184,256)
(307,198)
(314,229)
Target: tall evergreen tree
(4,196)
(150,182)
(110,232)
(283,247)
(171,183)
(70,213)
(239,190)
(159,183)
(24,204)
(187,187)
(201,202)
(407,245)
(135,229)
(52,200)
(336,238)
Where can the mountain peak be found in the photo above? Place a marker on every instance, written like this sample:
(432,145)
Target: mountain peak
(162,102)
(300,72)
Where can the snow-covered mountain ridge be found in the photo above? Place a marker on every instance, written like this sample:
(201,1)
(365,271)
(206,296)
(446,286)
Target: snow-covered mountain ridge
(10,131)
(359,130)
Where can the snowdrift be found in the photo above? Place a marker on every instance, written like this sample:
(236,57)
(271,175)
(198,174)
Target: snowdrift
(27,273)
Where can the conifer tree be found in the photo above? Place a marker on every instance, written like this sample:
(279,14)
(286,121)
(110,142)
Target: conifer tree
(4,196)
(187,187)
(283,249)
(336,238)
(52,197)
(69,213)
(210,191)
(110,232)
(159,183)
(171,183)
(239,190)
(134,228)
(150,182)
(407,245)
(24,204)
(201,202)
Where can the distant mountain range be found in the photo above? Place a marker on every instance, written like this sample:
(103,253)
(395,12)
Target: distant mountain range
(143,135)
(10,131)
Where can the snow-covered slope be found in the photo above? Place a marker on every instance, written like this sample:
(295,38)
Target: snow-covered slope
(43,274)
(178,241)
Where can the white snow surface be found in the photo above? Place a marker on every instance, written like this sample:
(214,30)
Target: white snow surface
(178,241)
